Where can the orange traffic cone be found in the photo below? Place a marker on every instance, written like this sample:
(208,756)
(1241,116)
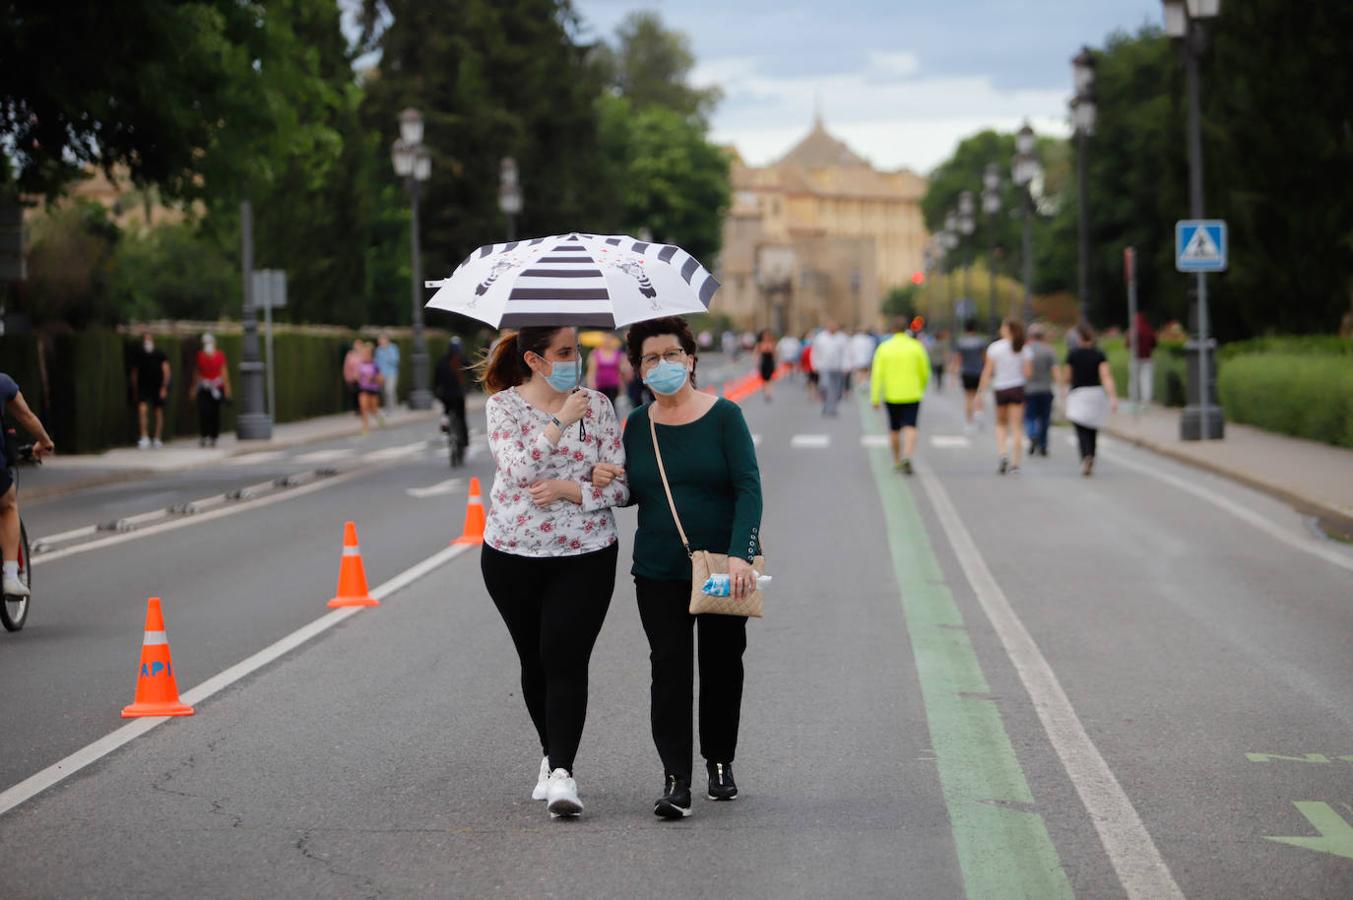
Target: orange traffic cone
(157,694)
(474,517)
(352,590)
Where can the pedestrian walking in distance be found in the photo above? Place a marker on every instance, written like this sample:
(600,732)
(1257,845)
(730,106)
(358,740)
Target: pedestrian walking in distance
(352,364)
(1092,396)
(1143,350)
(935,348)
(898,378)
(550,545)
(831,358)
(387,360)
(970,357)
(862,347)
(765,360)
(369,382)
(1008,367)
(711,468)
(150,385)
(605,369)
(213,389)
(1038,392)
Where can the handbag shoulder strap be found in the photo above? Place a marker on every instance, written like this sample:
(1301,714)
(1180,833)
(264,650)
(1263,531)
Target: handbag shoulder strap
(667,488)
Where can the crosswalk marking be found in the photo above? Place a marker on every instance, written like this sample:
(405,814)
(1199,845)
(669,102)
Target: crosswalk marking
(811,441)
(950,441)
(873,440)
(450,486)
(395,452)
(322,456)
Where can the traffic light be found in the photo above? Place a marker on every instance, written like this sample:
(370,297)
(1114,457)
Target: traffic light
(918,278)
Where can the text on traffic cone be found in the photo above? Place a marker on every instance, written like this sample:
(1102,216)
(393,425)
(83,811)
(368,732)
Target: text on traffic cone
(157,693)
(352,590)
(474,517)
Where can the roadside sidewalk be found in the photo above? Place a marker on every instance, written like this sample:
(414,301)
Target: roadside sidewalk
(1315,478)
(67,474)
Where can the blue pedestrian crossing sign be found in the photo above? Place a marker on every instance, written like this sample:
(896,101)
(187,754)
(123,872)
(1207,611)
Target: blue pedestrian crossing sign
(1200,245)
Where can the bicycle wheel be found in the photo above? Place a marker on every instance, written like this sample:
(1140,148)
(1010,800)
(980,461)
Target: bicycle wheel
(453,441)
(14,610)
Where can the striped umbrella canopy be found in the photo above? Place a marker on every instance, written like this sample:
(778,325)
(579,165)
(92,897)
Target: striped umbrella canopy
(601,281)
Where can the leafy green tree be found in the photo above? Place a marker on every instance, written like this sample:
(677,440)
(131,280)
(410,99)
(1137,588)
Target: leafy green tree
(670,179)
(650,66)
(173,272)
(901,302)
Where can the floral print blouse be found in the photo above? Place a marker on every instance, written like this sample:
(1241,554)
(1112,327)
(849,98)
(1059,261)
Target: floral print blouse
(524,456)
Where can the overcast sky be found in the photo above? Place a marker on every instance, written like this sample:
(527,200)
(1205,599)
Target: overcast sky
(901,81)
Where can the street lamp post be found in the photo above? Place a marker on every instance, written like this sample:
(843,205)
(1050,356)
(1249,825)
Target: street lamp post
(1024,171)
(1184,21)
(413,163)
(1083,112)
(966,226)
(991,207)
(254,422)
(509,195)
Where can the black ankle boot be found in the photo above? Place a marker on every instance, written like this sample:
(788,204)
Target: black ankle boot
(721,784)
(675,802)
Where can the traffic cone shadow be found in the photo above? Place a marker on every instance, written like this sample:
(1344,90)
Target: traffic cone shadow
(157,692)
(352,589)
(474,517)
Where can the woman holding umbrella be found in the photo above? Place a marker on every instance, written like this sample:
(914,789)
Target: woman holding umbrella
(550,546)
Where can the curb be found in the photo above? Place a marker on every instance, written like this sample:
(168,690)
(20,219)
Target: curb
(1330,516)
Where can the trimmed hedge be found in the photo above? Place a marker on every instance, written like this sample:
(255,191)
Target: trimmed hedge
(1307,396)
(1303,345)
(1170,376)
(88,404)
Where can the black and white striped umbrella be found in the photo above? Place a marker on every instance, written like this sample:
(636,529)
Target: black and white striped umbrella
(601,281)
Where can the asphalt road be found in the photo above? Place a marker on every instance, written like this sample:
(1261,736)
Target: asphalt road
(900,737)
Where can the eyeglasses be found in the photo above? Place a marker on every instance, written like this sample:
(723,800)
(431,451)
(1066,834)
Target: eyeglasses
(672,356)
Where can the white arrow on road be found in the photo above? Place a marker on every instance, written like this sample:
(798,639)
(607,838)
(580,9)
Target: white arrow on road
(1336,835)
(450,486)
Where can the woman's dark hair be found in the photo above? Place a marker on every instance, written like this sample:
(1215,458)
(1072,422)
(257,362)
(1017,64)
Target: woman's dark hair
(504,366)
(1086,333)
(642,331)
(1016,328)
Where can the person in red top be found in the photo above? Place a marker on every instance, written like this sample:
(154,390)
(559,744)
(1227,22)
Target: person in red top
(213,389)
(1145,345)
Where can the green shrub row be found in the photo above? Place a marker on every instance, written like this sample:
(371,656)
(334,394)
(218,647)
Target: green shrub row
(87,404)
(1298,345)
(1307,396)
(1169,375)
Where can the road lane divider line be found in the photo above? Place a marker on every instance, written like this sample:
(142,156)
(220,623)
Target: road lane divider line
(1245,514)
(209,516)
(1000,838)
(59,771)
(1135,858)
(811,441)
(449,486)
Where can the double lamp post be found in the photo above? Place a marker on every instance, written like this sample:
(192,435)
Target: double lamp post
(413,163)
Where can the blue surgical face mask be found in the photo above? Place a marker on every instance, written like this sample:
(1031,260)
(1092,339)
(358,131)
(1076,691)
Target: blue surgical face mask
(666,378)
(564,376)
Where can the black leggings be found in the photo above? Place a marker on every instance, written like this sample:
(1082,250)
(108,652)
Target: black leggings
(554,608)
(663,609)
(208,414)
(1086,438)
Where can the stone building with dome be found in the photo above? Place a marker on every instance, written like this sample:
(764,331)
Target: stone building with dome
(818,235)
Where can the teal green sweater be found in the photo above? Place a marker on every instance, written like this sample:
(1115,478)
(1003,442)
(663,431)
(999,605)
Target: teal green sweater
(711,465)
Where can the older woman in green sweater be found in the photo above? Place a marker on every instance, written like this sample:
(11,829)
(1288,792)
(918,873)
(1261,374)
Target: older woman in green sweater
(716,485)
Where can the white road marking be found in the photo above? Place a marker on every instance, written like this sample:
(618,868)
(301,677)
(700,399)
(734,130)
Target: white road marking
(869,441)
(323,456)
(390,453)
(1299,542)
(950,441)
(1140,868)
(185,521)
(254,459)
(55,773)
(450,486)
(811,441)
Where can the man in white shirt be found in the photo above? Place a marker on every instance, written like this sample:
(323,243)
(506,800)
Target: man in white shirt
(862,347)
(831,357)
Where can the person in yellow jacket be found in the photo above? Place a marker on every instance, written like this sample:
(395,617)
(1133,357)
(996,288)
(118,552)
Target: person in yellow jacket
(898,379)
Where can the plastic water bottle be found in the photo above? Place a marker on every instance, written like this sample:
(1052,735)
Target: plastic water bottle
(720,585)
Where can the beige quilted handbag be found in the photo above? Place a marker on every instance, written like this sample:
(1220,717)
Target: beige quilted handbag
(704,563)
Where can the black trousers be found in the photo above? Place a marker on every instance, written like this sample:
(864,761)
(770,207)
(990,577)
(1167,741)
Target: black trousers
(208,414)
(670,628)
(1086,438)
(554,608)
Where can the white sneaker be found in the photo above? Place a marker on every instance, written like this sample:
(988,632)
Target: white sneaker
(562,793)
(541,791)
(157,444)
(143,444)
(13,587)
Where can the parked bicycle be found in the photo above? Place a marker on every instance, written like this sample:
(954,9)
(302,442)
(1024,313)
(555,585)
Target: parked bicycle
(14,610)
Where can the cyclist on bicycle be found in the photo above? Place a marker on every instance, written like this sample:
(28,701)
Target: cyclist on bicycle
(14,409)
(449,387)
